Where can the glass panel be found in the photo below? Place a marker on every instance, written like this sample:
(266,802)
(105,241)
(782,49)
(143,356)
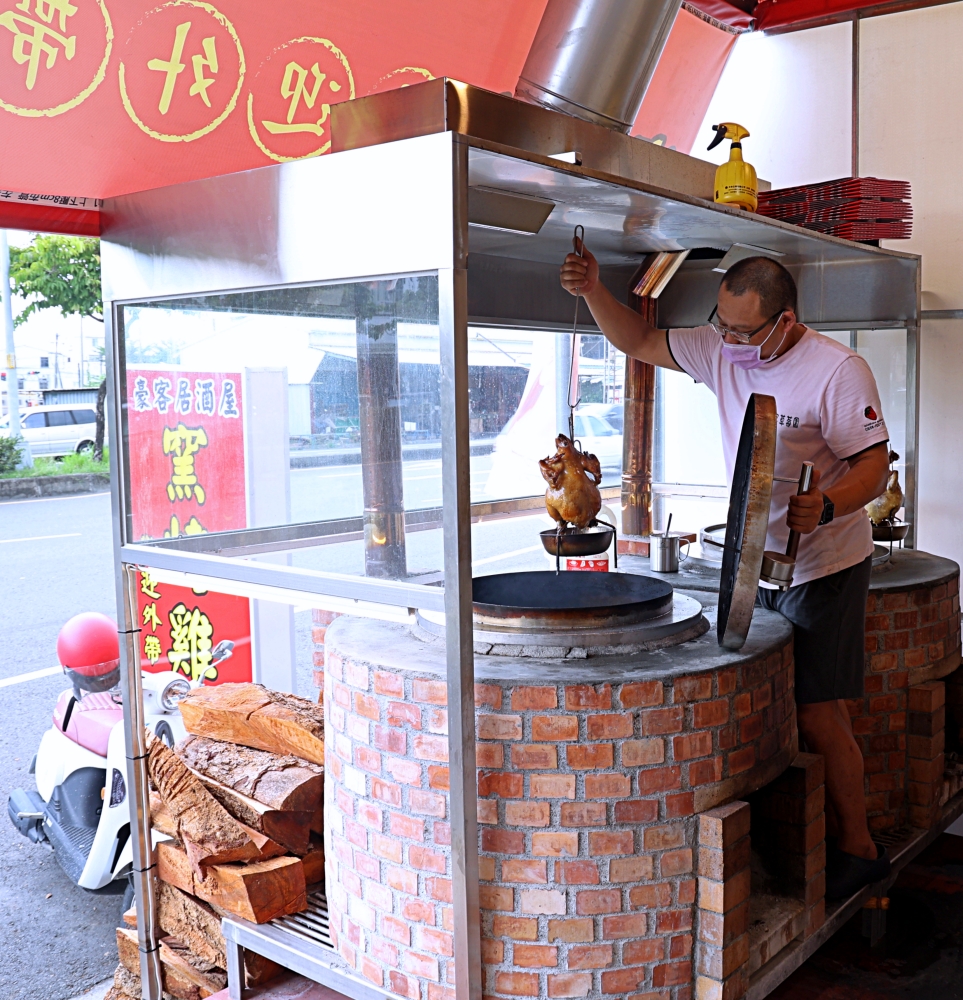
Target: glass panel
(84,416)
(323,404)
(691,445)
(518,384)
(59,418)
(33,421)
(885,353)
(285,406)
(520,397)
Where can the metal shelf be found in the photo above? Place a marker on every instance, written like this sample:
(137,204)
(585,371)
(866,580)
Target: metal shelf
(300,942)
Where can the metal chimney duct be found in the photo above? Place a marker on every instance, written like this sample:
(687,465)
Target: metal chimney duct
(593,59)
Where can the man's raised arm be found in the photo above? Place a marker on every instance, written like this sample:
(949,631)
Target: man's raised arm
(626,329)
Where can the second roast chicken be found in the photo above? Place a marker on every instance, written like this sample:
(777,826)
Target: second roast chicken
(885,506)
(573,476)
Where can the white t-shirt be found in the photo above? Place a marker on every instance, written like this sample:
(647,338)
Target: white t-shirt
(829,410)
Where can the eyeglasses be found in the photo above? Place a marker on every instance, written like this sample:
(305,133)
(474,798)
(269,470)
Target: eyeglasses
(741,336)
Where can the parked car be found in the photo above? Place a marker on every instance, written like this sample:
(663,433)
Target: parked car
(56,430)
(599,437)
(610,412)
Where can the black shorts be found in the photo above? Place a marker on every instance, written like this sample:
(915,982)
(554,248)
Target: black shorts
(829,619)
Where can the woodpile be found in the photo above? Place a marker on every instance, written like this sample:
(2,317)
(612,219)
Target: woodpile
(240,801)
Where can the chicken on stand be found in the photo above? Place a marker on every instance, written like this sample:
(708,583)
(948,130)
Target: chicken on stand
(573,479)
(883,509)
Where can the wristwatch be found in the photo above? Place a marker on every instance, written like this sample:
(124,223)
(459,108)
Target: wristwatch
(829,510)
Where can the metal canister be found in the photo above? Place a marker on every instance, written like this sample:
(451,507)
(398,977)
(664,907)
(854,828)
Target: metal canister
(665,553)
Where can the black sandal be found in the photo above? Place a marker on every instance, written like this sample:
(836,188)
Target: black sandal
(846,873)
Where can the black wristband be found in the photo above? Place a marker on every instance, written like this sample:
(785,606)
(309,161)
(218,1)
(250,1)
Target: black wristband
(829,510)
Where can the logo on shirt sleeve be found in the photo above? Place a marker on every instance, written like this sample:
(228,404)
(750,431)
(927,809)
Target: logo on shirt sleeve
(873,419)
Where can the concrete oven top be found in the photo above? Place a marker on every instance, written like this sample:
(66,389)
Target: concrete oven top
(403,647)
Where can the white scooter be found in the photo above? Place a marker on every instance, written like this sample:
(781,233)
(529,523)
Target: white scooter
(80,806)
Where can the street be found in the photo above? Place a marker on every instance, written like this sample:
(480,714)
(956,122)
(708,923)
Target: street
(56,940)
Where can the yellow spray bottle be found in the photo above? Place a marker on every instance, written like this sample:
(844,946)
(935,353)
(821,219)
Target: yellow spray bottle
(736,180)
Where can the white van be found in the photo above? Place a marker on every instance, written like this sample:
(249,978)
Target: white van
(58,429)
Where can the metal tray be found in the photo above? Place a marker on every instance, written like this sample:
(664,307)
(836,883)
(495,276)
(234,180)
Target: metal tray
(577,542)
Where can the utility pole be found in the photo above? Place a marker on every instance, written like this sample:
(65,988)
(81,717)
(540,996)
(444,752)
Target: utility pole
(13,382)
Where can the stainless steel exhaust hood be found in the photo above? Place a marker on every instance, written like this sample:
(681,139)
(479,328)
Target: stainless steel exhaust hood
(593,59)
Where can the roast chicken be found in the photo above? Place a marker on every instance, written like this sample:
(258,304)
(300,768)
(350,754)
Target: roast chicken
(573,479)
(884,507)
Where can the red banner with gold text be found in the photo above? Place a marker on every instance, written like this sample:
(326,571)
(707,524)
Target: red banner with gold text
(105,97)
(186,452)
(203,635)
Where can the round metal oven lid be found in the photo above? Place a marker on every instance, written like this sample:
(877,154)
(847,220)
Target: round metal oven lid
(543,599)
(748,521)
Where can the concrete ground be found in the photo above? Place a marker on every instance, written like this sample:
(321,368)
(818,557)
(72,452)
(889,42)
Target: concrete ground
(97,992)
(56,940)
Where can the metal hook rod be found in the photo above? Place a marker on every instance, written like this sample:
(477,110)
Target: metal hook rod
(578,243)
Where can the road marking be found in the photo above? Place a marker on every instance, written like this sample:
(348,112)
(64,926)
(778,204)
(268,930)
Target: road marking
(506,555)
(76,496)
(32,676)
(39,538)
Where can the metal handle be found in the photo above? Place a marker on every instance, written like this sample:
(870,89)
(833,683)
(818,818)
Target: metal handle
(578,245)
(805,481)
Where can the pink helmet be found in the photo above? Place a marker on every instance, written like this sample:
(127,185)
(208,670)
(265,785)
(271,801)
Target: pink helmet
(88,649)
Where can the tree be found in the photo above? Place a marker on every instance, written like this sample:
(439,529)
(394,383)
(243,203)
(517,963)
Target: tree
(62,272)
(58,272)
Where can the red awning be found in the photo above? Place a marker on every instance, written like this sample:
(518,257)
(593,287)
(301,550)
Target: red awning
(120,117)
(773,14)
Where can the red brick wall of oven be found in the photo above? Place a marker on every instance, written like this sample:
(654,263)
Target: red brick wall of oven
(588,803)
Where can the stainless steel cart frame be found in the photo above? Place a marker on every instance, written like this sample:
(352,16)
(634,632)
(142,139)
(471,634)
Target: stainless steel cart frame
(400,196)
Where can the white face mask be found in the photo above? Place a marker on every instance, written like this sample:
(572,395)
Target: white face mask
(749,356)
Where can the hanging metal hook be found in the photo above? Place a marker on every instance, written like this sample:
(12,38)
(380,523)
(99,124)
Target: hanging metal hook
(578,244)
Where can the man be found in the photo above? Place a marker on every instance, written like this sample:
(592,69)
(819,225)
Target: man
(830,414)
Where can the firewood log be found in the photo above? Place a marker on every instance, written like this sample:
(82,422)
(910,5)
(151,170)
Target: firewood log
(179,977)
(292,829)
(279,781)
(259,891)
(163,822)
(255,716)
(192,921)
(313,861)
(127,985)
(198,926)
(209,832)
(160,817)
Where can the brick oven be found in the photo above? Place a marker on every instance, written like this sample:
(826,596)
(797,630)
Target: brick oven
(912,682)
(912,643)
(605,861)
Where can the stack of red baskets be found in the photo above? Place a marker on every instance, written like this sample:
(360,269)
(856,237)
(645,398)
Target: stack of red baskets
(855,208)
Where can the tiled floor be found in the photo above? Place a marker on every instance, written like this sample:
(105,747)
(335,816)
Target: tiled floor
(921,956)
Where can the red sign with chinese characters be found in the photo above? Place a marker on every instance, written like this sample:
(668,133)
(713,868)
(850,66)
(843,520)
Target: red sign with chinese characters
(588,565)
(186,452)
(204,636)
